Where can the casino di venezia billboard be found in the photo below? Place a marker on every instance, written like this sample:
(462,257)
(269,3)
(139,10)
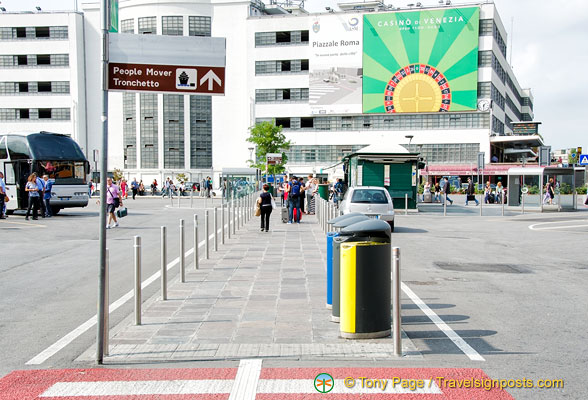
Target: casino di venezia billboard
(420,61)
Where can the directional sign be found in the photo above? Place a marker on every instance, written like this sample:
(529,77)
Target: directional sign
(583,159)
(274,158)
(166,78)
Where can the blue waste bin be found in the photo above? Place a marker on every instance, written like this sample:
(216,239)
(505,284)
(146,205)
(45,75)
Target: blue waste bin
(330,236)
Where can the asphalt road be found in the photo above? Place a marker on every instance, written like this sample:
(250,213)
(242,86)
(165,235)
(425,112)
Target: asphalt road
(513,287)
(49,273)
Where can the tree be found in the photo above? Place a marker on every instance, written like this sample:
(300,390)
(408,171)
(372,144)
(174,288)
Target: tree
(181,177)
(117,175)
(268,138)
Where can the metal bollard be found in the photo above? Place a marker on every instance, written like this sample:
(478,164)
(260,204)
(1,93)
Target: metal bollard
(137,248)
(239,216)
(196,241)
(523,201)
(106,304)
(215,219)
(444,205)
(206,235)
(396,315)
(163,263)
(405,203)
(502,201)
(229,220)
(192,198)
(481,202)
(179,197)
(559,201)
(182,254)
(222,222)
(234,218)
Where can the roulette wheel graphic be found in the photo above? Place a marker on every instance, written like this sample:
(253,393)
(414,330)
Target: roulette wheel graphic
(417,88)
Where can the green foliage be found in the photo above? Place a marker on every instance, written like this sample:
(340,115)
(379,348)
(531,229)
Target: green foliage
(117,175)
(581,190)
(181,177)
(565,188)
(533,189)
(268,138)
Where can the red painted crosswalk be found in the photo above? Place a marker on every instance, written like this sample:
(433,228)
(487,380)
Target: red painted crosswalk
(270,384)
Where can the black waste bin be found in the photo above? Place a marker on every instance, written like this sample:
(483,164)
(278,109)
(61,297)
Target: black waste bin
(365,289)
(343,237)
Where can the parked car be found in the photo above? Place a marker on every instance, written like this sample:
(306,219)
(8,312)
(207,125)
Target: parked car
(373,201)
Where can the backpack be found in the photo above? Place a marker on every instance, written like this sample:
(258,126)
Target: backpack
(295,190)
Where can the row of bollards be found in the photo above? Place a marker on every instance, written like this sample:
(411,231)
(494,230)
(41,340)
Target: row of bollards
(325,212)
(238,211)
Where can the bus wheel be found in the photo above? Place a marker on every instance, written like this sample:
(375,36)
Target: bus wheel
(55,210)
(9,212)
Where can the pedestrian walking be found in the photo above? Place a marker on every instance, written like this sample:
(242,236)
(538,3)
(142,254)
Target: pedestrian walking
(33,190)
(302,193)
(134,187)
(446,190)
(266,205)
(471,193)
(124,188)
(47,196)
(41,187)
(294,201)
(90,188)
(113,201)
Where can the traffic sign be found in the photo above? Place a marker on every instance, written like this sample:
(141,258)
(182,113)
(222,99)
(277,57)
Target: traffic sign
(274,158)
(583,159)
(166,78)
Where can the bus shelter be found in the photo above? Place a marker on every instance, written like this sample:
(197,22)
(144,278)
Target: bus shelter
(239,181)
(526,186)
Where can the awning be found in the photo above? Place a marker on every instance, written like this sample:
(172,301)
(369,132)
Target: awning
(461,169)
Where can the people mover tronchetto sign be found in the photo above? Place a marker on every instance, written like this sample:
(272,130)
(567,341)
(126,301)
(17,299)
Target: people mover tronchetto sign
(164,64)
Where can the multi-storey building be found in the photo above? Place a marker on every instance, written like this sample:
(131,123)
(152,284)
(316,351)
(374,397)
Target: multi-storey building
(331,80)
(42,73)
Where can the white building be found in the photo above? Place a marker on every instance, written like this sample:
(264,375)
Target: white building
(274,72)
(42,84)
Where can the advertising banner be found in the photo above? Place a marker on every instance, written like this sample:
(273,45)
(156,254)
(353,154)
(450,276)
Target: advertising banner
(420,61)
(335,64)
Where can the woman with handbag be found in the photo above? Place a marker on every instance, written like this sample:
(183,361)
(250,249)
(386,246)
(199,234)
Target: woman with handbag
(266,205)
(34,198)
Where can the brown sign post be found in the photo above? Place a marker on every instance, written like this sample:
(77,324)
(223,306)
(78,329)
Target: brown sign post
(166,78)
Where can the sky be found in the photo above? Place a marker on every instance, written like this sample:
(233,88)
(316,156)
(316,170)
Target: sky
(549,55)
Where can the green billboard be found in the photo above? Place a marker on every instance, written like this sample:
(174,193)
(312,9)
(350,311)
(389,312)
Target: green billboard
(420,61)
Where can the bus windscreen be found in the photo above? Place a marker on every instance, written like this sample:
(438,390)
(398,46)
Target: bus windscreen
(64,172)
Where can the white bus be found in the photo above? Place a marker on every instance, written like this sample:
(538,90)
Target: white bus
(55,155)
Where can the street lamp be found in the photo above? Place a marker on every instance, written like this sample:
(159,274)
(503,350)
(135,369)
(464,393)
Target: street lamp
(251,153)
(409,137)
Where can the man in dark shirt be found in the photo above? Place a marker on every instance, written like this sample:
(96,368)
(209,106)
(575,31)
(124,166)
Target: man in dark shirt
(446,190)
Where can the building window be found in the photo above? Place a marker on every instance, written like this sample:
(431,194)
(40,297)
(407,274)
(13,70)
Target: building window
(147,26)
(199,26)
(127,26)
(148,126)
(485,58)
(44,87)
(23,113)
(58,32)
(172,26)
(280,38)
(283,122)
(44,113)
(281,95)
(129,130)
(280,67)
(327,154)
(497,97)
(42,32)
(486,27)
(59,114)
(60,87)
(173,131)
(497,126)
(201,132)
(483,90)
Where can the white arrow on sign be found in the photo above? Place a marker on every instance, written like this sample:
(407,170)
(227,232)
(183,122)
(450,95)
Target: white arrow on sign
(211,77)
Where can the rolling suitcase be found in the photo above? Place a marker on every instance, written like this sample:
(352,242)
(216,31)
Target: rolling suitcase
(284,214)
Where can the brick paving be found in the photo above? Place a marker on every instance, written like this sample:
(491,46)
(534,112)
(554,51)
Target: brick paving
(261,295)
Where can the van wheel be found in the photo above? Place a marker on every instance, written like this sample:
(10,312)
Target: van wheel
(9,212)
(391,223)
(55,210)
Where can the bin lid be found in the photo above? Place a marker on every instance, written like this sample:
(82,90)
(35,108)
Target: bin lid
(343,217)
(350,221)
(370,227)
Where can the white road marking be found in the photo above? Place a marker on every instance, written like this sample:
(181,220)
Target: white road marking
(27,224)
(303,386)
(138,388)
(245,386)
(443,327)
(80,330)
(535,227)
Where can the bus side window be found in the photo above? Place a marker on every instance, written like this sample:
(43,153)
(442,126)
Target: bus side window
(9,178)
(3,151)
